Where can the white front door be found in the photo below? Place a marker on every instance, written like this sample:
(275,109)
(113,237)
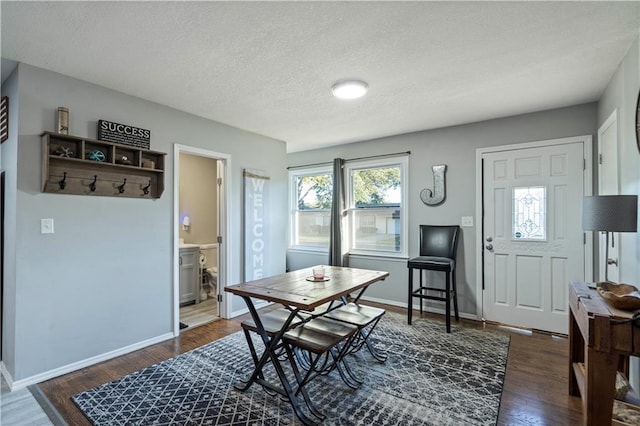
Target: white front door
(533,239)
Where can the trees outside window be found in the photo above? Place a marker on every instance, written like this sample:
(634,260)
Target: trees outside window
(376,201)
(311,208)
(376,207)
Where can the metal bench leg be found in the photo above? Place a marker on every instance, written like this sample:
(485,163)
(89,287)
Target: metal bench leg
(365,332)
(303,358)
(254,355)
(302,389)
(340,362)
(291,396)
(376,354)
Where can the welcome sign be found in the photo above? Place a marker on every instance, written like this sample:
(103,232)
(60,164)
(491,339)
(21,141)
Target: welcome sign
(256,224)
(124,134)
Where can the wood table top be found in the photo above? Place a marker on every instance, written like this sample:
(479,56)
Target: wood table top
(293,288)
(594,304)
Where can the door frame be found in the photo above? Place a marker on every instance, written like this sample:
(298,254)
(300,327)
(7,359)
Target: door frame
(587,184)
(2,188)
(224,220)
(610,122)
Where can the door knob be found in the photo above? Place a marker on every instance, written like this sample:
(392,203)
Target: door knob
(489,246)
(612,262)
(489,239)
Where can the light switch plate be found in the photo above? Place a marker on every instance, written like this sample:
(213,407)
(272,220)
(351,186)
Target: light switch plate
(46,226)
(466,221)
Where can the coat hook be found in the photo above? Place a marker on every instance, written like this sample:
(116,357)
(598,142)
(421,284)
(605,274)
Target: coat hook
(121,187)
(146,188)
(92,185)
(63,182)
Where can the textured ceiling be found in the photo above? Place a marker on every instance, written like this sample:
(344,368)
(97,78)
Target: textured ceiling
(267,67)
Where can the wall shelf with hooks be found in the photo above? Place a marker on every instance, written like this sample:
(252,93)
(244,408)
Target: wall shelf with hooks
(82,166)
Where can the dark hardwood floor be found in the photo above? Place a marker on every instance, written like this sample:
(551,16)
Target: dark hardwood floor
(535,389)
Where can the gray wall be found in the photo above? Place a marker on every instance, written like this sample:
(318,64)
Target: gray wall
(198,198)
(103,281)
(9,158)
(622,94)
(455,147)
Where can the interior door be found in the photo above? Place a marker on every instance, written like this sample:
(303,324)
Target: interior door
(533,239)
(608,185)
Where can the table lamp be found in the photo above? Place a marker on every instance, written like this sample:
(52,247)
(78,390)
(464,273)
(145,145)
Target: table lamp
(610,213)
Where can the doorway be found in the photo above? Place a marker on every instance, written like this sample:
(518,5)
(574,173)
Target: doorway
(199,230)
(533,243)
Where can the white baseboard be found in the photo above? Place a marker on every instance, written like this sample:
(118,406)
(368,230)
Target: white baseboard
(384,301)
(417,307)
(377,300)
(243,311)
(41,377)
(238,312)
(7,376)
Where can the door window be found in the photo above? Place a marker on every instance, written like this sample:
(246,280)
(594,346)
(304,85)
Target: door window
(529,213)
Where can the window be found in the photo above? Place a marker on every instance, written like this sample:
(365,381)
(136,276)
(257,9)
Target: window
(529,213)
(376,201)
(376,197)
(311,208)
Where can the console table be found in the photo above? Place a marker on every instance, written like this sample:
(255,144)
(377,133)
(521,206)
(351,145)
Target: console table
(599,345)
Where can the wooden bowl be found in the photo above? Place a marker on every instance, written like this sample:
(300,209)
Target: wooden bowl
(621,296)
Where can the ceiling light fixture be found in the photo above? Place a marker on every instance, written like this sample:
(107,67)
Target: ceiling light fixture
(349,89)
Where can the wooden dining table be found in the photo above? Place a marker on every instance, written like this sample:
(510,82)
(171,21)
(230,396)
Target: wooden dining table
(297,291)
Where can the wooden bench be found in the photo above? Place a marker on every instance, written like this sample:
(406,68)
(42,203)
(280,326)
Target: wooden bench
(322,338)
(365,318)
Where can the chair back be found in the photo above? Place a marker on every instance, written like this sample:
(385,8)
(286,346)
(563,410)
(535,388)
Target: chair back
(439,241)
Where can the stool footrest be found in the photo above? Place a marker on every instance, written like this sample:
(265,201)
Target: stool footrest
(443,290)
(421,296)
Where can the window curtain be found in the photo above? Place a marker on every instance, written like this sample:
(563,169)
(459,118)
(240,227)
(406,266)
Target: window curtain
(337,207)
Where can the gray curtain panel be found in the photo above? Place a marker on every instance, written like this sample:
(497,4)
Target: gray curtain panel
(337,207)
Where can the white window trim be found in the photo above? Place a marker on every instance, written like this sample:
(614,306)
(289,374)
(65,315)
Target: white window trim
(403,162)
(293,207)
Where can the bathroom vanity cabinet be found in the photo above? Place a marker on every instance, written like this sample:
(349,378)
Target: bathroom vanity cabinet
(189,274)
(82,166)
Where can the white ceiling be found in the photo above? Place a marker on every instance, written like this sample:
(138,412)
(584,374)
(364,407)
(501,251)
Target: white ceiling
(267,67)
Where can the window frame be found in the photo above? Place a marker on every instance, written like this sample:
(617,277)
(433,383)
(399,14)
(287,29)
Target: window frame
(293,205)
(398,161)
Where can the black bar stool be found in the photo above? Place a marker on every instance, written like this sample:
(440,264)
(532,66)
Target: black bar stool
(438,246)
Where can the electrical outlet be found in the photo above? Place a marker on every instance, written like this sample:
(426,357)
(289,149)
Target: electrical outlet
(46,226)
(466,221)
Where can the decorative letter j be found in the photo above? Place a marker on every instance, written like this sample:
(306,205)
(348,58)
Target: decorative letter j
(437,196)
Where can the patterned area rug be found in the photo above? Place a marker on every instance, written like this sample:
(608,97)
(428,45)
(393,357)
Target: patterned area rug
(429,378)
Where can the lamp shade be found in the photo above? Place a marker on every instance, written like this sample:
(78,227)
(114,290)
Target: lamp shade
(613,213)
